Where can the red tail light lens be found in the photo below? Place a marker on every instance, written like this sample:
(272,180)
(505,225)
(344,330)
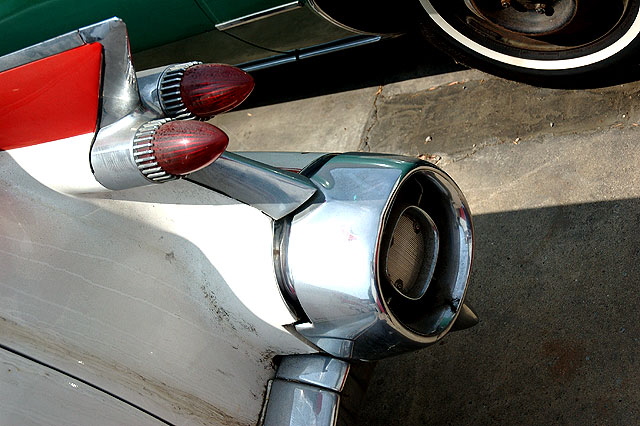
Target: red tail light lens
(182,147)
(164,150)
(212,89)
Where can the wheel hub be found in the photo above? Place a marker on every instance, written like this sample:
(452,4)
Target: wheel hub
(531,18)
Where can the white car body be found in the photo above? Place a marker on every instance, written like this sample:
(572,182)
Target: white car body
(168,288)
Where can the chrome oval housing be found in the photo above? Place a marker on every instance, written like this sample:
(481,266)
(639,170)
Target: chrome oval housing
(335,249)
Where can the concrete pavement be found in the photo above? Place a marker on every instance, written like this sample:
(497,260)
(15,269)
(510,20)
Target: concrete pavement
(552,180)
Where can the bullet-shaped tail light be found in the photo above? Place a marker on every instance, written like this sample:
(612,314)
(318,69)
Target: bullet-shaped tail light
(201,91)
(137,152)
(164,150)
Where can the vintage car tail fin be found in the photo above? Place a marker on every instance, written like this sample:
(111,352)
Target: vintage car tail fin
(83,83)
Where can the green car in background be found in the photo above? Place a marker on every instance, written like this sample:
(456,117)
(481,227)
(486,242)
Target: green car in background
(521,39)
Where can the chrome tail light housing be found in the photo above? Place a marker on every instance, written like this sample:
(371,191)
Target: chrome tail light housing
(378,263)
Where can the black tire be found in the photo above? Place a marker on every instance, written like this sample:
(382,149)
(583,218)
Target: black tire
(595,35)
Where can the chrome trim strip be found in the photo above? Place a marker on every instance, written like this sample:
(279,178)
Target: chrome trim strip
(295,404)
(324,49)
(280,233)
(308,52)
(306,391)
(41,50)
(271,190)
(273,61)
(258,15)
(316,370)
(284,160)
(119,85)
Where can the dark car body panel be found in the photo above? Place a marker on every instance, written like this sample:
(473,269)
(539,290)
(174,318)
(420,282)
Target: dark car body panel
(166,31)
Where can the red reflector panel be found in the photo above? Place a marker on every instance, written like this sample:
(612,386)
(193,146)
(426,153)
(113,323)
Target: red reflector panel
(51,98)
(212,89)
(182,147)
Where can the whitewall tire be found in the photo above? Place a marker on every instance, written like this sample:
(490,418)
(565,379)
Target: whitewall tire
(565,38)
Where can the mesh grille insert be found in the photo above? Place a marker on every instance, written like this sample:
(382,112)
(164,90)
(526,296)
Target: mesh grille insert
(412,253)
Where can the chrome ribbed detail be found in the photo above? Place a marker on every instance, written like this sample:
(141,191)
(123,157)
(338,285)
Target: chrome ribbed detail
(169,91)
(144,154)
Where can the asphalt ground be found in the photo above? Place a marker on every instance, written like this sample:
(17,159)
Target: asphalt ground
(552,179)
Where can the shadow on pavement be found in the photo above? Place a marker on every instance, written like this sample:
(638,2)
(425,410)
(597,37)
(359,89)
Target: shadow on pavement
(381,63)
(556,291)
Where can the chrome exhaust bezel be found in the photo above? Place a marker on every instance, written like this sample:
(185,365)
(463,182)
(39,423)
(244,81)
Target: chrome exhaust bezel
(351,317)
